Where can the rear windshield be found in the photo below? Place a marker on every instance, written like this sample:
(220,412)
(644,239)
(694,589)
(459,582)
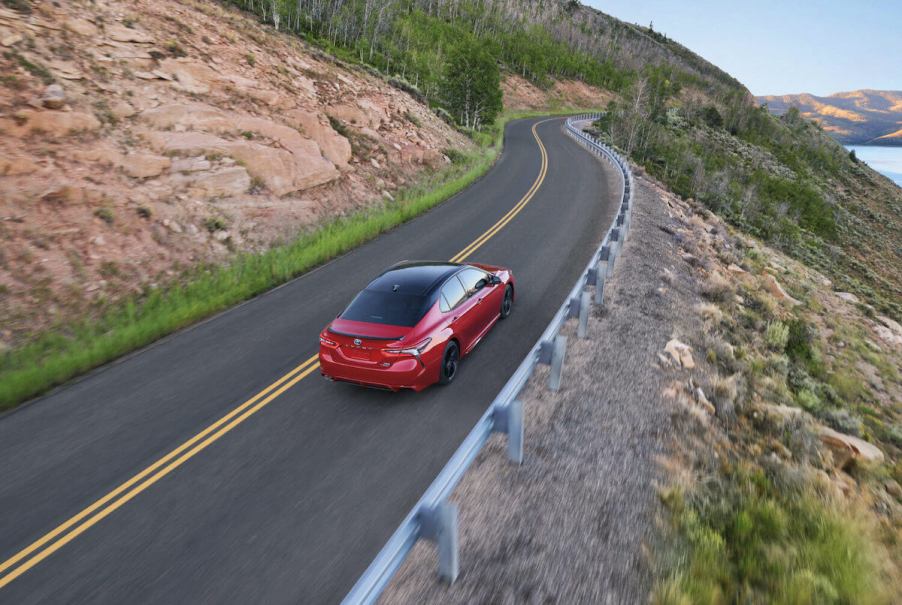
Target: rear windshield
(392,308)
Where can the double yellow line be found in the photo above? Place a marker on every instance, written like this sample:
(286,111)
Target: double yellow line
(48,544)
(504,220)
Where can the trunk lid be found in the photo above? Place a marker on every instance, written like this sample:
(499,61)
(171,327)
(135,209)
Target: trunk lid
(361,340)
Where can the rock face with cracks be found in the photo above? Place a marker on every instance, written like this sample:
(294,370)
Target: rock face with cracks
(126,127)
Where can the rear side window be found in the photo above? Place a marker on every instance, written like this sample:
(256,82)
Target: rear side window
(469,278)
(391,308)
(452,294)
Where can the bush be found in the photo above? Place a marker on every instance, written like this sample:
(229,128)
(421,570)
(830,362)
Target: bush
(105,214)
(455,155)
(777,335)
(843,421)
(214,224)
(746,540)
(23,6)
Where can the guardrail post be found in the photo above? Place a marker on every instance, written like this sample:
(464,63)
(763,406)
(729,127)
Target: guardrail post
(573,309)
(509,419)
(601,268)
(615,249)
(557,362)
(604,262)
(439,524)
(585,306)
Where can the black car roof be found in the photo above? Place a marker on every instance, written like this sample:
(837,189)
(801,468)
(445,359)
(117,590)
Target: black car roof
(414,277)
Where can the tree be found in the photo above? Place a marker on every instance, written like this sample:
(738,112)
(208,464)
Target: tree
(472,85)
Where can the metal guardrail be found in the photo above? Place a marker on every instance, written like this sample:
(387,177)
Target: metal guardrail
(433,517)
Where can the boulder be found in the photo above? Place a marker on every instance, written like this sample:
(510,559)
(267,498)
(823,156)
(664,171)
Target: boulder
(66,70)
(16,166)
(225,182)
(195,164)
(82,27)
(334,147)
(848,297)
(889,330)
(122,109)
(351,114)
(11,40)
(280,170)
(54,97)
(680,352)
(119,33)
(847,449)
(100,154)
(56,123)
(191,76)
(189,116)
(144,165)
(374,112)
(64,194)
(777,291)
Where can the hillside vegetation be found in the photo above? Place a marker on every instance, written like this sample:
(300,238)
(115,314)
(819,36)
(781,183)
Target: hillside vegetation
(688,122)
(781,179)
(162,160)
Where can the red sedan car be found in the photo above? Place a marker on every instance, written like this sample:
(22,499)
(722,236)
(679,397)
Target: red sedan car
(410,326)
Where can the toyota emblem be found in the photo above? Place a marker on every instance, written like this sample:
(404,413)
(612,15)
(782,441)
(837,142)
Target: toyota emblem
(358,342)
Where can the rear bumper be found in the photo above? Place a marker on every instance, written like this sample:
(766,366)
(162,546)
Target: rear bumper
(402,374)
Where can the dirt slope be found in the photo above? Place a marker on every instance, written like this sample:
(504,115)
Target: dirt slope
(140,138)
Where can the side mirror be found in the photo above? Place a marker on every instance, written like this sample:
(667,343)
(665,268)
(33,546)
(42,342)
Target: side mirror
(480,285)
(495,280)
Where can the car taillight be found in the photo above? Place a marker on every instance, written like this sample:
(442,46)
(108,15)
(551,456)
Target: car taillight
(414,351)
(325,341)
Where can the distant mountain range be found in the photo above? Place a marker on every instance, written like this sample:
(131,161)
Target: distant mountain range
(860,117)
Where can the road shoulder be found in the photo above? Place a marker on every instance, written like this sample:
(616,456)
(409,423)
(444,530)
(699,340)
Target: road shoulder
(584,502)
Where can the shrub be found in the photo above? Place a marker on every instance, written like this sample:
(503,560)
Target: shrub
(843,421)
(175,49)
(800,346)
(807,400)
(214,224)
(105,214)
(23,6)
(339,127)
(410,117)
(747,539)
(455,155)
(776,335)
(717,288)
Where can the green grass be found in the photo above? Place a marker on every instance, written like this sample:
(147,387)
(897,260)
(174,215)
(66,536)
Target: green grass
(747,540)
(59,355)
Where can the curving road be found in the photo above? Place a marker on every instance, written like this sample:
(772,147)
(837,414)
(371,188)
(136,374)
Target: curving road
(216,466)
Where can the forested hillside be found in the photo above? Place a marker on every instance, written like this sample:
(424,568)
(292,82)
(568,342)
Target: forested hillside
(689,123)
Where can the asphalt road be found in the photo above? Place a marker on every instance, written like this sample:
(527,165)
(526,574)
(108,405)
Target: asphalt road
(294,501)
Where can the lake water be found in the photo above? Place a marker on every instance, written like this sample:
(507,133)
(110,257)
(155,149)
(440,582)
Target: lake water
(885,160)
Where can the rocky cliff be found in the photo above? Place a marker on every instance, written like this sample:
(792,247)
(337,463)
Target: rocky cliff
(140,138)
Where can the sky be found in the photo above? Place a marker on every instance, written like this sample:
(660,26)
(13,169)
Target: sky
(782,47)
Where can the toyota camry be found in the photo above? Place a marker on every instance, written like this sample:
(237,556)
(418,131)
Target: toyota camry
(410,327)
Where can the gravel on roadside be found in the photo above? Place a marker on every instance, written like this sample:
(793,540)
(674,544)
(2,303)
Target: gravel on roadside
(576,522)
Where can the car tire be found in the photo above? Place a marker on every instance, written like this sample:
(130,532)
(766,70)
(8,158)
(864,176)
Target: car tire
(507,303)
(450,363)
